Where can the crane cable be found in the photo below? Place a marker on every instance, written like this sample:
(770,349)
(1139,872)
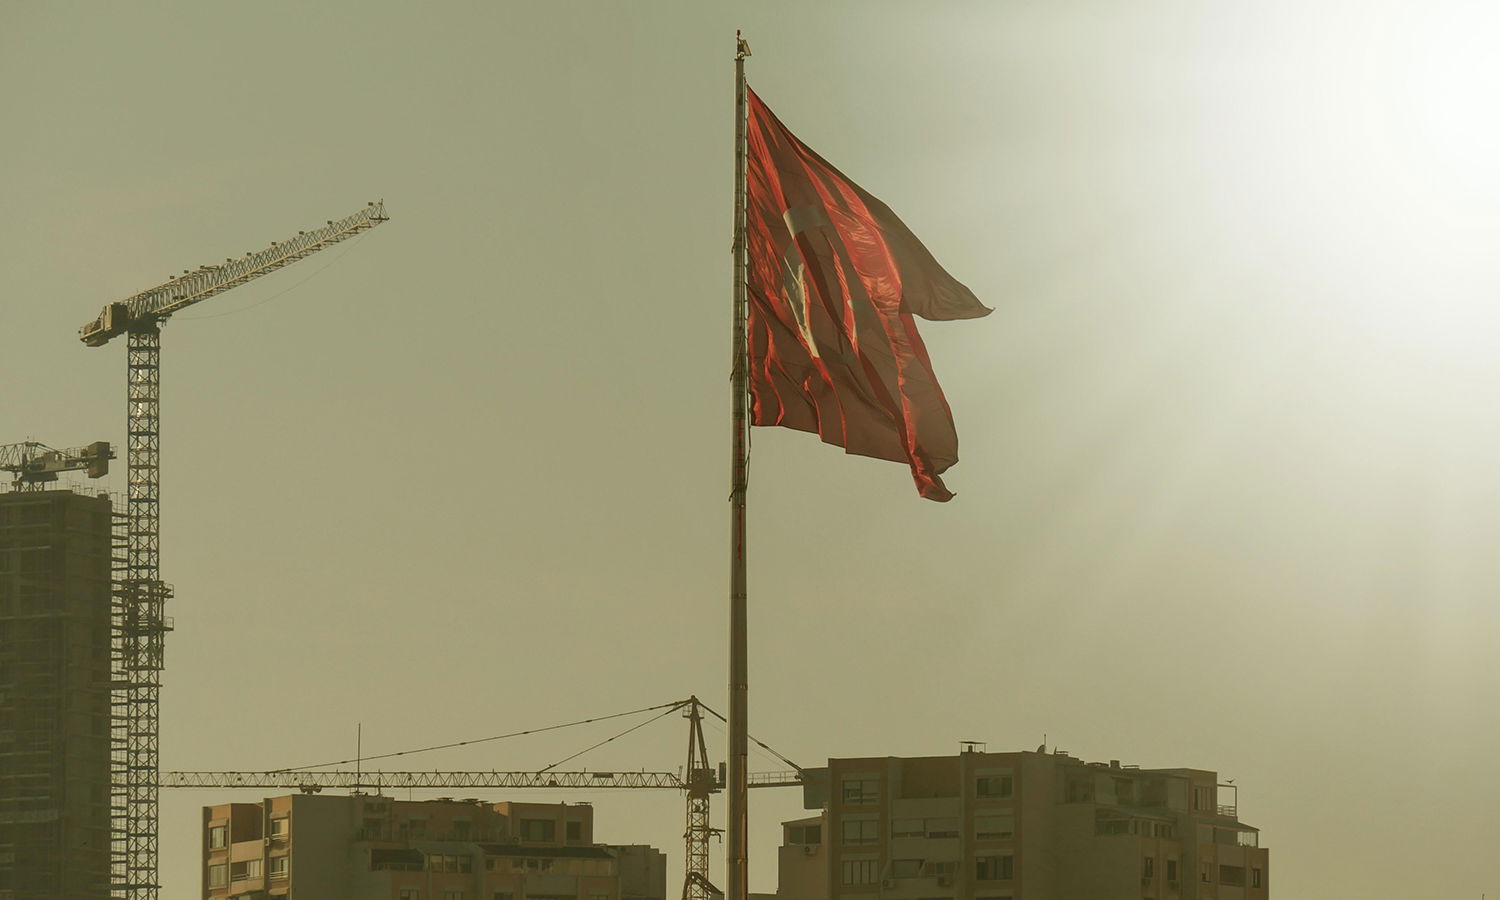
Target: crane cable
(719,729)
(286,290)
(669,707)
(665,712)
(767,747)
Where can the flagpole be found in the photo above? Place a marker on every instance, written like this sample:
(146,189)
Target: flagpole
(737,844)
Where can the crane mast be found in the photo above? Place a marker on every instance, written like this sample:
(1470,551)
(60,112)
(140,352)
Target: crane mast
(142,593)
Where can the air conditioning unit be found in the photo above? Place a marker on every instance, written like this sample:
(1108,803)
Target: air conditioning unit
(945,880)
(888,883)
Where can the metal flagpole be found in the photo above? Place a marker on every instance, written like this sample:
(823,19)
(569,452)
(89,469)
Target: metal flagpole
(736,848)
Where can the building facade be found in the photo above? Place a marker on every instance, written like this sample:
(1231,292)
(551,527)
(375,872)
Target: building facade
(1019,826)
(373,847)
(55,665)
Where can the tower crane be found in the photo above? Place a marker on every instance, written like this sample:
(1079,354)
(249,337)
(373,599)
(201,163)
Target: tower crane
(143,594)
(34,464)
(698,781)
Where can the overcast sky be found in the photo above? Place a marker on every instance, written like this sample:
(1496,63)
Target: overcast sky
(1227,496)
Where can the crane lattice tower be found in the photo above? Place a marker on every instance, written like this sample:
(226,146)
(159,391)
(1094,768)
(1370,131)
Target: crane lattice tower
(142,594)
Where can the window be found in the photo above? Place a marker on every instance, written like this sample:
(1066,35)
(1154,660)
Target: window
(1171,870)
(280,827)
(940,867)
(1255,878)
(242,871)
(861,831)
(280,866)
(575,831)
(994,868)
(859,791)
(412,828)
(994,786)
(1079,790)
(1233,876)
(1205,872)
(538,830)
(1148,867)
(410,894)
(503,895)
(942,828)
(218,876)
(860,871)
(906,868)
(453,894)
(449,862)
(598,896)
(218,836)
(804,834)
(901,828)
(1203,798)
(993,828)
(461,829)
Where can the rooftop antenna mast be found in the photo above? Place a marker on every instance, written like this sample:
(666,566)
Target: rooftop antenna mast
(140,591)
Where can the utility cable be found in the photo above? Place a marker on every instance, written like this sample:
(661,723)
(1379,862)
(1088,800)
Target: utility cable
(676,704)
(608,739)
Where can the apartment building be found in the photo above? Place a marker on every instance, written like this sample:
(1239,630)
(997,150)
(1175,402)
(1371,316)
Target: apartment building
(55,589)
(1018,826)
(373,847)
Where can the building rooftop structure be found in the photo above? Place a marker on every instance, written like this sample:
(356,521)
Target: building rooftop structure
(1018,826)
(365,846)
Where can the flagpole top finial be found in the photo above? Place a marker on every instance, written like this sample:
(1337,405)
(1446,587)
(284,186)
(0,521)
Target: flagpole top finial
(742,46)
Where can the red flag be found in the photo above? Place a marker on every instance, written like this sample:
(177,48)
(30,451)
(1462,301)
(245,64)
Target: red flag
(835,279)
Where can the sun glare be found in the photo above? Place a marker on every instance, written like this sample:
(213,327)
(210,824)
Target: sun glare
(1444,101)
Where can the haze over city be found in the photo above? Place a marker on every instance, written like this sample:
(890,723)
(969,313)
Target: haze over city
(1226,497)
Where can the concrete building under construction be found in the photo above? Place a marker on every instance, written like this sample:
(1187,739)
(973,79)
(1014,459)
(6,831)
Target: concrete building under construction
(55,673)
(1019,826)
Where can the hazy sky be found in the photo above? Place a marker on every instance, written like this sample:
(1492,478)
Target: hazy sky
(1228,496)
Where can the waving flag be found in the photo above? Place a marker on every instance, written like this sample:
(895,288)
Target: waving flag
(835,279)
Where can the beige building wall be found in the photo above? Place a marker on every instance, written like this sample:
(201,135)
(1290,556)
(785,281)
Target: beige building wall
(1017,826)
(371,847)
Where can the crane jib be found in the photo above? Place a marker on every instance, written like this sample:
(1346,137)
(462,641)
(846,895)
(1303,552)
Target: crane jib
(155,304)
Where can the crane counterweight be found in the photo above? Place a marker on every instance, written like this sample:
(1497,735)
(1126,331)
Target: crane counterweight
(33,464)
